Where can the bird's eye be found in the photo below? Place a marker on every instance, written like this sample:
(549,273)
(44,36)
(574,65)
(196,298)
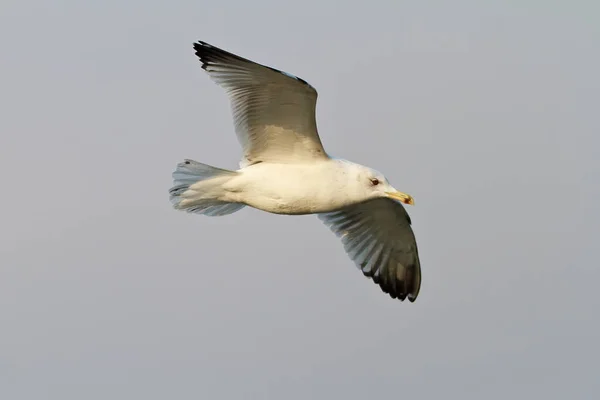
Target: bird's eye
(375,181)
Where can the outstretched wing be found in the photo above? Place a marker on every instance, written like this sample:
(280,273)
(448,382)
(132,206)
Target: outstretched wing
(378,238)
(273,112)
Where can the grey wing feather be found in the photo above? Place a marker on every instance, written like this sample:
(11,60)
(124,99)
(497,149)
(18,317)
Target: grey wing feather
(273,112)
(378,237)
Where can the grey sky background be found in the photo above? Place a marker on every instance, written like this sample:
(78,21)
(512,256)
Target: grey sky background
(486,113)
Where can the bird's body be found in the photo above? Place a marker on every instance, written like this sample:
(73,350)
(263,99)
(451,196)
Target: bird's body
(295,188)
(285,170)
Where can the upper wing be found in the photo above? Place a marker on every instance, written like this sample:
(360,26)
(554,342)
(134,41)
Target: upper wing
(378,238)
(273,112)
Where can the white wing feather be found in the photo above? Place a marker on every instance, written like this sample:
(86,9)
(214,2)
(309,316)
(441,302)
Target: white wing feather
(377,236)
(273,112)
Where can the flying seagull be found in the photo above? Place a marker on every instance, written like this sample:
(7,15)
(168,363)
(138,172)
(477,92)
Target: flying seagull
(285,170)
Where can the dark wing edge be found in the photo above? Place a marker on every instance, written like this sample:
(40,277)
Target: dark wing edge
(210,55)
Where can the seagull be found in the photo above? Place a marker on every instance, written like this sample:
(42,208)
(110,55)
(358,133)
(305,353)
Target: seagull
(285,170)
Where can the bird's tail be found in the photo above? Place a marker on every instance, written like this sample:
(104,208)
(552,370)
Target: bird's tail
(196,189)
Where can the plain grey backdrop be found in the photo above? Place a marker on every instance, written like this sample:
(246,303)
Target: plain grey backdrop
(486,112)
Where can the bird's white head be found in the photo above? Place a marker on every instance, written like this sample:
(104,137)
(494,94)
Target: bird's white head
(372,184)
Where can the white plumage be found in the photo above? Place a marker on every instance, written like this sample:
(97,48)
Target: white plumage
(285,170)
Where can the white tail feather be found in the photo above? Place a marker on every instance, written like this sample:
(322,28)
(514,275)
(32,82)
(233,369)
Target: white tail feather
(190,196)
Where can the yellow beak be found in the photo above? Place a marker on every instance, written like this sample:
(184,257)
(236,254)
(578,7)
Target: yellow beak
(402,197)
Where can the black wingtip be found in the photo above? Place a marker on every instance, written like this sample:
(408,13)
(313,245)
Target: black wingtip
(207,53)
(199,45)
(400,290)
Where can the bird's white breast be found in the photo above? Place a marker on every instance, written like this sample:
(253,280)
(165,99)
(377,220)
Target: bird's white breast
(308,188)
